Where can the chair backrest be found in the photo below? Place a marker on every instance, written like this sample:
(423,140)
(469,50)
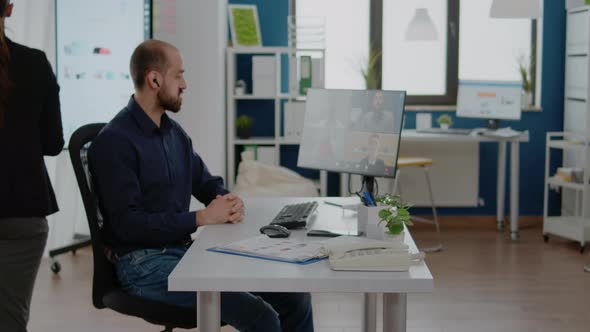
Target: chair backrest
(104,278)
(105,286)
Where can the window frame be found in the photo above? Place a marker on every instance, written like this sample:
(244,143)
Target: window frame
(452,68)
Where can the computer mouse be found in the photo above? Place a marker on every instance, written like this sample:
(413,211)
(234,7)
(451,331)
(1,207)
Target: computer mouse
(322,232)
(275,231)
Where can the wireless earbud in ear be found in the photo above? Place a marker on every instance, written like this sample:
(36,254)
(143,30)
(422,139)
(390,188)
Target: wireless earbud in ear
(156,81)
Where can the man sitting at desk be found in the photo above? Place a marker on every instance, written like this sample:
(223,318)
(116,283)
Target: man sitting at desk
(145,170)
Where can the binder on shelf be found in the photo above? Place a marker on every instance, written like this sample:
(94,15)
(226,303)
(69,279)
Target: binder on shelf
(263,76)
(317,77)
(252,149)
(266,155)
(288,120)
(293,119)
(305,75)
(299,115)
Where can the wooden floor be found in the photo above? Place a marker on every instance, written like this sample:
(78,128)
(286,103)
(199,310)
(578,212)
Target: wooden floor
(484,282)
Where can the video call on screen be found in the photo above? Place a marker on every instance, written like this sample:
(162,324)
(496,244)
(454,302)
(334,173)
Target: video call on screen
(352,131)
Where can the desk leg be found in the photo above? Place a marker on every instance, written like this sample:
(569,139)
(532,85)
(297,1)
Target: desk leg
(208,311)
(514,190)
(370,316)
(394,312)
(501,188)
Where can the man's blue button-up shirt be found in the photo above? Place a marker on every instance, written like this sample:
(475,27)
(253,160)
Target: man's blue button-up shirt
(144,177)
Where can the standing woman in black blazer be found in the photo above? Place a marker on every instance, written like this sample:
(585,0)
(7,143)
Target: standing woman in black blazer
(30,127)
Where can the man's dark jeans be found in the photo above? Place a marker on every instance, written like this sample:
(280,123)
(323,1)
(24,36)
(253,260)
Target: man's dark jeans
(145,273)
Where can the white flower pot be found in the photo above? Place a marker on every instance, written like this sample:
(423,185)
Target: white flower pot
(526,99)
(444,125)
(394,237)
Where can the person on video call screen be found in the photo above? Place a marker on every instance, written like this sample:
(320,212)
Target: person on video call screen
(371,163)
(378,119)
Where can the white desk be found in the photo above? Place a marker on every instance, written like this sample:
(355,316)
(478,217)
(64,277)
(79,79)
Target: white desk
(413,136)
(209,273)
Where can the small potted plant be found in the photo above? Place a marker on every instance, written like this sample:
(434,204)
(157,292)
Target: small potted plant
(244,124)
(444,121)
(240,88)
(395,214)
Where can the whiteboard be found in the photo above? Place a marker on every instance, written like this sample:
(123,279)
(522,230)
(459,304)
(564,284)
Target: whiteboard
(94,42)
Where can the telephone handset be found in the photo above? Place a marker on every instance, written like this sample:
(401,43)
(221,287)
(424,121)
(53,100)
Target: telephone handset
(369,255)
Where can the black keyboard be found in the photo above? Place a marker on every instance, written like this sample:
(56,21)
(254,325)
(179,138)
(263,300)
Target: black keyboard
(295,215)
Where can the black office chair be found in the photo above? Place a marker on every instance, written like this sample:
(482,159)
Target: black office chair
(105,286)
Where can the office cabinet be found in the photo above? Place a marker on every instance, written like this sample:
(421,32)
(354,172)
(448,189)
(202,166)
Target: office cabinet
(573,221)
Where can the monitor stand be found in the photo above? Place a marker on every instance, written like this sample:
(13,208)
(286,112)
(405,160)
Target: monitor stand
(492,124)
(369,184)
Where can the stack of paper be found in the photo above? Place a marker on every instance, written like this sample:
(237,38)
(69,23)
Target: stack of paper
(504,133)
(283,250)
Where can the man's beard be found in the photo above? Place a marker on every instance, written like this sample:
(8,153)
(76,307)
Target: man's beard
(169,102)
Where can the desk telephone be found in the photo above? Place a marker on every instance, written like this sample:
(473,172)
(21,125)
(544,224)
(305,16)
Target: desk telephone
(354,254)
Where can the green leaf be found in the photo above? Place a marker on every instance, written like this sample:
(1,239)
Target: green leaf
(395,228)
(384,213)
(402,212)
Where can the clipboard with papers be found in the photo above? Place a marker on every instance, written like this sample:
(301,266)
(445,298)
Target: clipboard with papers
(281,250)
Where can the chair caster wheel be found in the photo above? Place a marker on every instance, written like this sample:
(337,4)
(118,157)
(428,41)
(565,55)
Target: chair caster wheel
(545,238)
(514,236)
(55,267)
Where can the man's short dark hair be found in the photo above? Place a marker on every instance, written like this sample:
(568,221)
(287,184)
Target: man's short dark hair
(149,55)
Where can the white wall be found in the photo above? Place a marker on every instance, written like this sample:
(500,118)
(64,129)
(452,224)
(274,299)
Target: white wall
(200,34)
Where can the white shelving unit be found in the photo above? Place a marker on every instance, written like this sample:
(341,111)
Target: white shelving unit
(574,221)
(278,97)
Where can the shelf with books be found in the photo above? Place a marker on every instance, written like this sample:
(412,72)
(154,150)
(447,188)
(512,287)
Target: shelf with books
(272,99)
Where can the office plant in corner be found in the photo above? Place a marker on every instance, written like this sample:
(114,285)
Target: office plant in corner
(244,125)
(395,214)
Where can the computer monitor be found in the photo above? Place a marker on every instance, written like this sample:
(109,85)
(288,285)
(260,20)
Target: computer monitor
(352,131)
(491,100)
